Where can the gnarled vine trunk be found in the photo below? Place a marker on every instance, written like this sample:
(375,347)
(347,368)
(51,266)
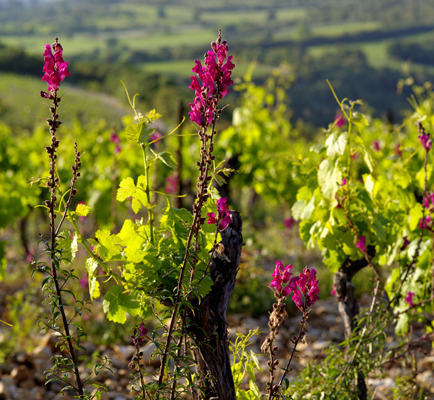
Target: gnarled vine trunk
(348,306)
(207,324)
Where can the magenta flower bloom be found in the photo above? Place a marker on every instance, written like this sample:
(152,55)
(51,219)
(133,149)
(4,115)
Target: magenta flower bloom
(114,138)
(344,182)
(425,223)
(171,185)
(339,121)
(333,292)
(139,335)
(409,298)
(289,222)
(361,244)
(55,69)
(308,286)
(282,275)
(376,145)
(406,243)
(210,83)
(425,141)
(223,215)
(84,281)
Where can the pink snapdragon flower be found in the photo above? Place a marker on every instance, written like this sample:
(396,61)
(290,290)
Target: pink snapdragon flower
(289,222)
(406,243)
(114,138)
(339,121)
(84,281)
(425,223)
(55,69)
(308,287)
(223,214)
(409,299)
(425,141)
(282,275)
(333,292)
(139,335)
(171,185)
(344,182)
(210,83)
(376,145)
(361,244)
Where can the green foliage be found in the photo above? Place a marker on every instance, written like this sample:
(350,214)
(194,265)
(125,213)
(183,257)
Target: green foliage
(245,361)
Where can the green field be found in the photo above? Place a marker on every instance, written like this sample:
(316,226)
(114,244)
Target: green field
(21,105)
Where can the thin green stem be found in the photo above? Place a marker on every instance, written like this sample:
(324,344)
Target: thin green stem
(148,193)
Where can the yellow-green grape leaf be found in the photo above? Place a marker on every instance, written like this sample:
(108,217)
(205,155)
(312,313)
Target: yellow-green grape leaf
(416,214)
(329,178)
(133,132)
(68,245)
(117,304)
(91,267)
(127,188)
(82,210)
(336,144)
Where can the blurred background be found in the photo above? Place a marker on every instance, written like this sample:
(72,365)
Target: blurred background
(379,51)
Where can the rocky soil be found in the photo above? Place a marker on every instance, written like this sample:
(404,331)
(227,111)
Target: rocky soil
(22,376)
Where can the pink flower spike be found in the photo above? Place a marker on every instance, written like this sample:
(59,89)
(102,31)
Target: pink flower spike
(171,185)
(339,121)
(344,182)
(376,145)
(139,334)
(55,69)
(406,243)
(425,141)
(333,292)
(409,299)
(211,218)
(227,219)
(289,222)
(362,244)
(297,299)
(291,287)
(222,207)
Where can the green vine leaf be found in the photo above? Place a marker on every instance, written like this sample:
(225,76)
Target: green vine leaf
(92,267)
(117,304)
(336,144)
(329,178)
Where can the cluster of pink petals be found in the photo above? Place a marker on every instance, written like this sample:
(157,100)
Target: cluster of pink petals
(425,223)
(55,69)
(406,243)
(426,141)
(308,286)
(339,121)
(139,334)
(409,298)
(428,204)
(305,286)
(171,185)
(376,145)
(428,201)
(289,222)
(114,138)
(361,244)
(223,215)
(210,83)
(281,276)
